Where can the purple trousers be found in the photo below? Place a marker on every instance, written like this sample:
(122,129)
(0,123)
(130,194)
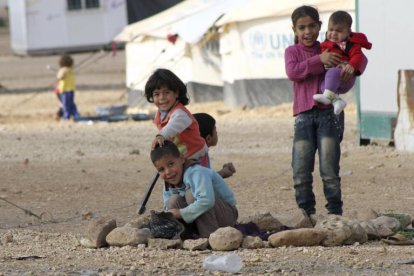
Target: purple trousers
(333,82)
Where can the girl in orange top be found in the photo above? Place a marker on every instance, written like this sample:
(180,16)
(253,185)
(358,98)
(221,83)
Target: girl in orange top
(173,120)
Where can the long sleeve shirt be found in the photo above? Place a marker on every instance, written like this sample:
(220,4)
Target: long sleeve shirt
(305,68)
(206,185)
(180,126)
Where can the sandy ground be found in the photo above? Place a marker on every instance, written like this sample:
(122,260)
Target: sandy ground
(62,171)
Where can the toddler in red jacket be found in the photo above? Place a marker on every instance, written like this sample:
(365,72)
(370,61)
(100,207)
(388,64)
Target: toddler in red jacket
(340,39)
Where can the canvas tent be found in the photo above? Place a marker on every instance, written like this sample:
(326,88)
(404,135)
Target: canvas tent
(193,56)
(228,49)
(253,39)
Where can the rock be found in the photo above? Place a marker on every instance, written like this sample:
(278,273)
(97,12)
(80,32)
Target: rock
(198,244)
(358,234)
(338,231)
(298,237)
(165,244)
(141,221)
(404,219)
(6,238)
(225,239)
(250,242)
(386,226)
(266,222)
(369,228)
(123,236)
(296,219)
(96,232)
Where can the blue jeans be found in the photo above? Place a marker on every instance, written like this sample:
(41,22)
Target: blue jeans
(68,105)
(317,130)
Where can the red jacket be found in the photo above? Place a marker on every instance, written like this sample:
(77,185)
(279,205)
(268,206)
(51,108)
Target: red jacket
(353,51)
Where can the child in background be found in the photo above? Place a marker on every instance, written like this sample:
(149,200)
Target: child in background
(316,127)
(173,120)
(208,131)
(340,39)
(59,113)
(66,87)
(193,193)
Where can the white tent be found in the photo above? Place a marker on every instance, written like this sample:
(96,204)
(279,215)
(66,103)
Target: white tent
(242,64)
(253,39)
(194,56)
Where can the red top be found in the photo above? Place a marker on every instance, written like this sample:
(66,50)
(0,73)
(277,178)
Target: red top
(353,50)
(185,135)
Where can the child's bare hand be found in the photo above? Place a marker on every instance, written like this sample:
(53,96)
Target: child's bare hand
(227,170)
(347,72)
(330,58)
(175,212)
(159,140)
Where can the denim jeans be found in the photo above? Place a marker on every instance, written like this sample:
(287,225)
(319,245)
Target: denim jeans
(317,130)
(68,105)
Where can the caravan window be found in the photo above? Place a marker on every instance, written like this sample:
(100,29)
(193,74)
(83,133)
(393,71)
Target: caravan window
(92,4)
(74,5)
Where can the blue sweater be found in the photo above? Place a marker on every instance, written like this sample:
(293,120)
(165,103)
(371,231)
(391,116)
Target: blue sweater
(206,185)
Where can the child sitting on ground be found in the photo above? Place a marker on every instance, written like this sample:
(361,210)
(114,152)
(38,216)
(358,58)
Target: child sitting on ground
(340,39)
(208,130)
(194,193)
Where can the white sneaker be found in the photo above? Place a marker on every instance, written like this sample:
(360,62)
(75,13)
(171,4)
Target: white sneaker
(338,106)
(321,98)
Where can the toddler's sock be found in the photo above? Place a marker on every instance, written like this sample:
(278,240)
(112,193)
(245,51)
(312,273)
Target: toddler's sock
(326,98)
(338,105)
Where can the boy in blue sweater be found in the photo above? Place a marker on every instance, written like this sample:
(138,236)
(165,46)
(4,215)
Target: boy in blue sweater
(194,193)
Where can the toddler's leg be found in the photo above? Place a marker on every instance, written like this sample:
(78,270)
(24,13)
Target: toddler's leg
(339,105)
(65,106)
(329,86)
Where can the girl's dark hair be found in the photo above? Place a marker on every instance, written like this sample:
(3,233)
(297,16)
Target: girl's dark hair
(206,124)
(66,61)
(166,78)
(304,11)
(341,17)
(169,148)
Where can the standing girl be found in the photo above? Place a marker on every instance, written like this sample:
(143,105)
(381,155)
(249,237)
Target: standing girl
(66,87)
(316,127)
(173,120)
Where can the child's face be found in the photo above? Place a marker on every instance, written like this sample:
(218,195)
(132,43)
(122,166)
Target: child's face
(164,98)
(337,32)
(170,169)
(212,139)
(307,31)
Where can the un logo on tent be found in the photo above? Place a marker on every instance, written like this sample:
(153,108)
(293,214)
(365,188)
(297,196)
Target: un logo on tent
(257,41)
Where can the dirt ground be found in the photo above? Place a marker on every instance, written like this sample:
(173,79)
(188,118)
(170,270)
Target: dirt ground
(68,172)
